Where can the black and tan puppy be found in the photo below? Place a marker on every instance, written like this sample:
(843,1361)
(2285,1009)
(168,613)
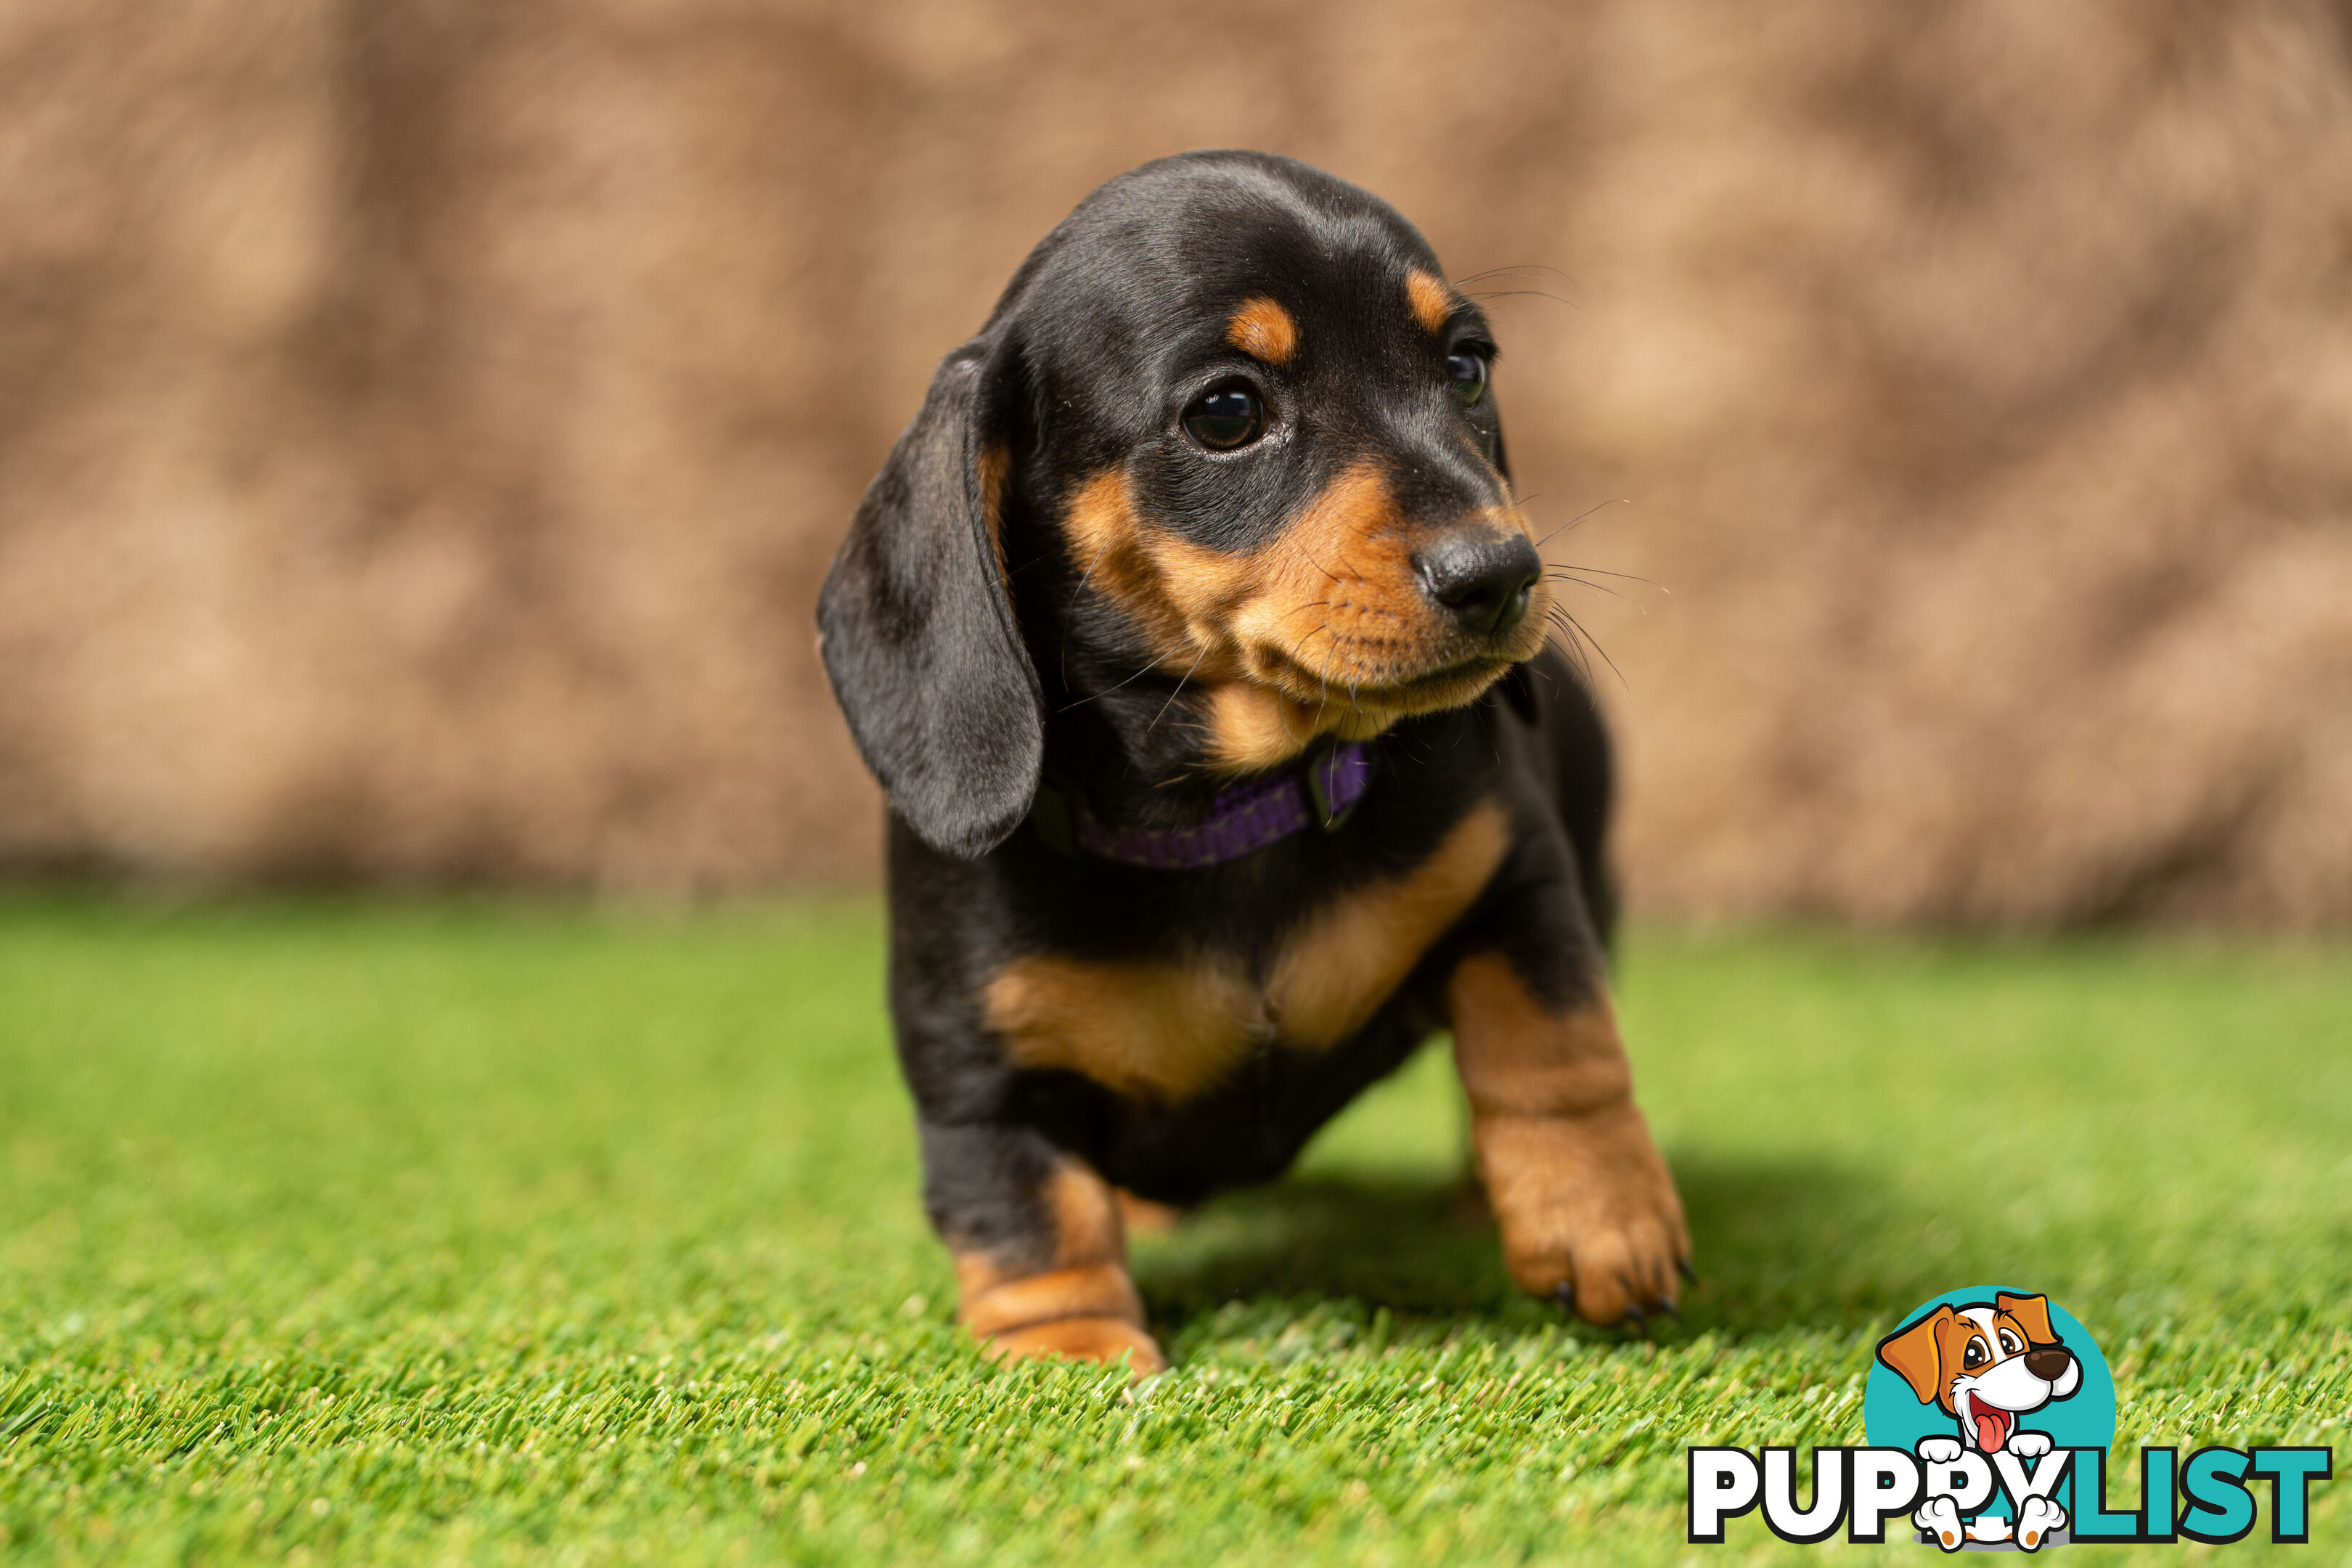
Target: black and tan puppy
(1199,642)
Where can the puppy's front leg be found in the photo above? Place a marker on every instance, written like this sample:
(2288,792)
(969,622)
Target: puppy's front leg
(1585,1200)
(1040,1257)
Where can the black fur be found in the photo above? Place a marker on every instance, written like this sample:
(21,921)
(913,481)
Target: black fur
(963,689)
(918,631)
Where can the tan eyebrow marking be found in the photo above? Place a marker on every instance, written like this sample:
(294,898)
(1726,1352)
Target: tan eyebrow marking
(1263,330)
(1432,302)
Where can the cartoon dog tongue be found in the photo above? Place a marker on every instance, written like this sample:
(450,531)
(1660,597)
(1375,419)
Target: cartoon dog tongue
(1993,1425)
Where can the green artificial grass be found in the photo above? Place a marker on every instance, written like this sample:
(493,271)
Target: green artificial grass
(452,1233)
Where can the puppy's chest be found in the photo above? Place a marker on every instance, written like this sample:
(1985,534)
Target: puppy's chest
(1168,1027)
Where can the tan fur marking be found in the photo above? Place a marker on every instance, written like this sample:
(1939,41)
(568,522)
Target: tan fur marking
(1335,598)
(1097,1289)
(1166,1031)
(1154,1031)
(1118,554)
(1081,1304)
(1432,302)
(992,462)
(1087,1225)
(1579,1188)
(1517,1059)
(1323,631)
(1350,956)
(1252,727)
(1105,1340)
(1263,331)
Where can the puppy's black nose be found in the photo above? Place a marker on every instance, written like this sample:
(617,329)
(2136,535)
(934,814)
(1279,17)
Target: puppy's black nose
(2050,1362)
(1482,580)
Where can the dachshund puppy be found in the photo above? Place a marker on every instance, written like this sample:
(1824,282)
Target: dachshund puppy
(1194,633)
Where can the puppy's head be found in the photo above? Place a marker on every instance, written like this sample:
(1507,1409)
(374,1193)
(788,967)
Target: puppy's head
(1227,427)
(1985,1365)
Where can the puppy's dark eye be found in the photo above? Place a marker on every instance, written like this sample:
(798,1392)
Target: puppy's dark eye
(1467,371)
(1224,417)
(1975,1354)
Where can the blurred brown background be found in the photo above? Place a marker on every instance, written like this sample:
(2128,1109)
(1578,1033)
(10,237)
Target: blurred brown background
(423,424)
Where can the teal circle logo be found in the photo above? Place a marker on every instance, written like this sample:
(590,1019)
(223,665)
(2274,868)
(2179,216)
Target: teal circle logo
(1990,1381)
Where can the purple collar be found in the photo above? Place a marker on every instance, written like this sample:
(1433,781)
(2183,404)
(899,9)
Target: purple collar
(1245,817)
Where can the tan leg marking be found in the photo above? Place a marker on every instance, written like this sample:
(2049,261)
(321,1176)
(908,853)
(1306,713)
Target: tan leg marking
(1431,300)
(993,461)
(1153,1031)
(1582,1193)
(1264,331)
(1082,1305)
(1335,970)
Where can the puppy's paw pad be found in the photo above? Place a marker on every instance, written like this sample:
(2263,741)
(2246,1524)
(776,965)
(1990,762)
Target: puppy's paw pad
(1939,1450)
(2029,1445)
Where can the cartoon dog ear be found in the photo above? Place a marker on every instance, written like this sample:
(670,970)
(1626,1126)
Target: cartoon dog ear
(2033,1312)
(1913,1353)
(916,627)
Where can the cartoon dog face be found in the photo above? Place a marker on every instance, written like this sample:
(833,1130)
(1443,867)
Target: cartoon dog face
(1986,1364)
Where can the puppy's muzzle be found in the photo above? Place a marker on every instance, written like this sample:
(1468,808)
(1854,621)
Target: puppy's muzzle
(1483,581)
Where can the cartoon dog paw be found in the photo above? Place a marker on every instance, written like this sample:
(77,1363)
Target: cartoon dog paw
(2029,1445)
(1939,1519)
(1938,1451)
(2037,1518)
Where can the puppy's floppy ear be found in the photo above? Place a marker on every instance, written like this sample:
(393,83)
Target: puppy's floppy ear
(2033,1314)
(1913,1353)
(917,625)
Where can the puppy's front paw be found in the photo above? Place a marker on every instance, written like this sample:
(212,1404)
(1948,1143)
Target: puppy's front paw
(2028,1444)
(1104,1339)
(1087,1313)
(1941,1518)
(1588,1209)
(1939,1450)
(2036,1518)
